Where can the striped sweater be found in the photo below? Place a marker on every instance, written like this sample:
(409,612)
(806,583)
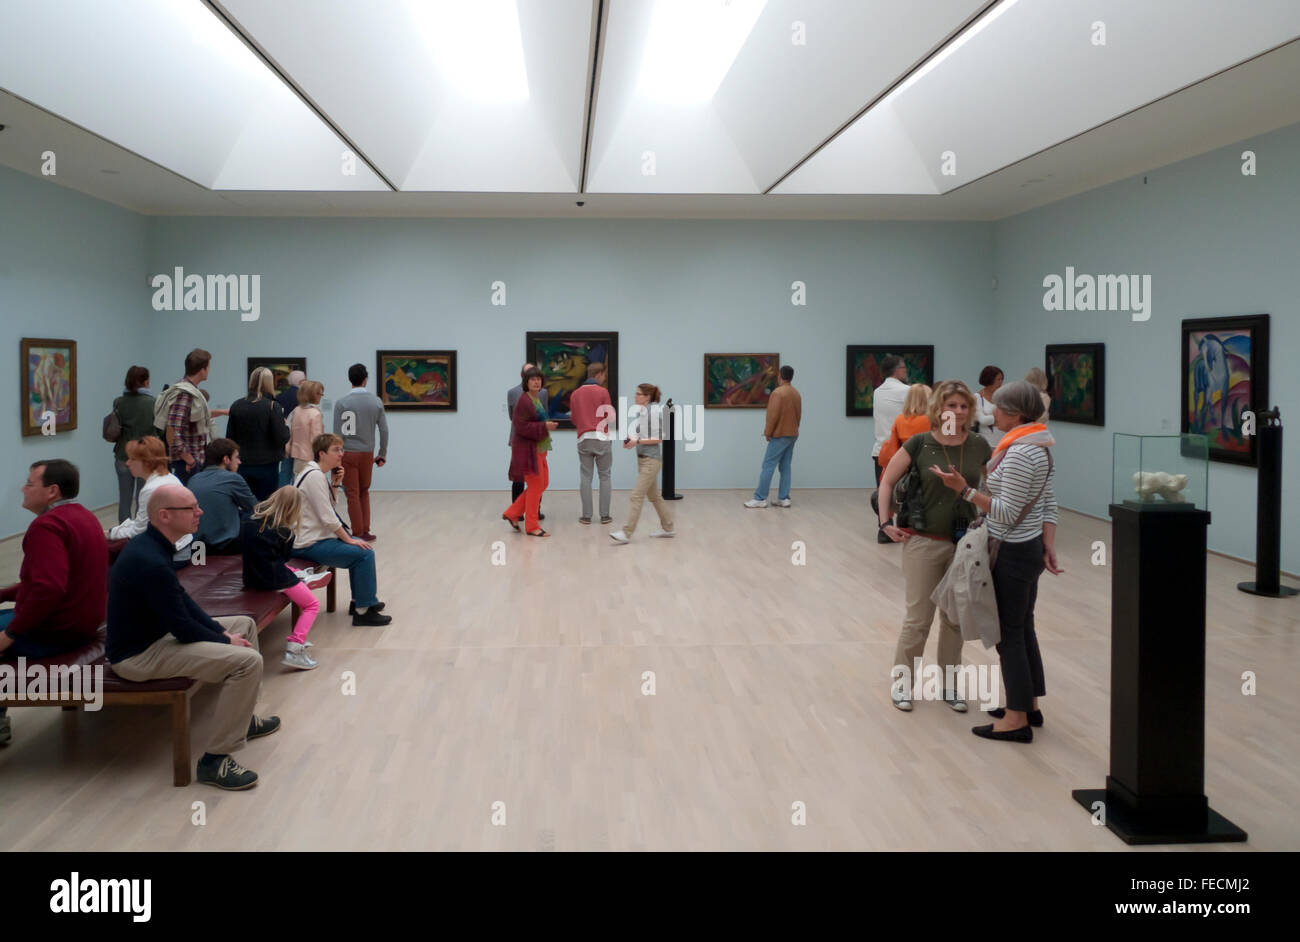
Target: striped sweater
(1013,483)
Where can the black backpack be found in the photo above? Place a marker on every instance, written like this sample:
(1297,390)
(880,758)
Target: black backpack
(112,431)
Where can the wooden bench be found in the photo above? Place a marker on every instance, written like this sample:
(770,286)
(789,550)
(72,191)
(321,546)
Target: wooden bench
(218,588)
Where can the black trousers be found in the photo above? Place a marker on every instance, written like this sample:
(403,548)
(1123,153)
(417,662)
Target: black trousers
(1015,584)
(879,471)
(517,488)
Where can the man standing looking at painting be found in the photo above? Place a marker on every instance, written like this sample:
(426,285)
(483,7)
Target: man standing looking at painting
(185,417)
(784,410)
(512,399)
(356,416)
(593,446)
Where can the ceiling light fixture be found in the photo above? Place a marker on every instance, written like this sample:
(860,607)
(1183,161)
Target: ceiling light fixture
(477,47)
(967,35)
(692,45)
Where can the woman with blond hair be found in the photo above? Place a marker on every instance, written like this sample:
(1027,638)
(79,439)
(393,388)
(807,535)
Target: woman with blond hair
(267,537)
(1038,379)
(935,520)
(305,423)
(146,459)
(257,425)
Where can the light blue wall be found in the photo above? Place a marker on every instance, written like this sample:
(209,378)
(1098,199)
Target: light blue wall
(71,267)
(337,290)
(1215,242)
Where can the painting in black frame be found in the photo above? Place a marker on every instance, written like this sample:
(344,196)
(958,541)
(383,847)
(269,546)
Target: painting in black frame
(1223,364)
(1076,381)
(862,372)
(563,356)
(417,380)
(280,368)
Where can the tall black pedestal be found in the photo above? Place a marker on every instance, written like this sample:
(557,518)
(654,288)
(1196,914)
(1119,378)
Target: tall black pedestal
(669,488)
(1268,513)
(1155,792)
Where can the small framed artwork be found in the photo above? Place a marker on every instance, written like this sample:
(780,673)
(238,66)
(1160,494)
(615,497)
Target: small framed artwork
(739,380)
(862,372)
(563,357)
(416,379)
(1076,381)
(1223,362)
(48,385)
(280,368)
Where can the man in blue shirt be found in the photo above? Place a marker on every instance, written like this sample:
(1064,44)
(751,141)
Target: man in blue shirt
(156,630)
(224,497)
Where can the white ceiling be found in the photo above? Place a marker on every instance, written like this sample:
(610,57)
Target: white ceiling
(260,117)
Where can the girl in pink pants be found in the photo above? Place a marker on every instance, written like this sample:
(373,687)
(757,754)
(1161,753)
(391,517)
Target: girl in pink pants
(267,537)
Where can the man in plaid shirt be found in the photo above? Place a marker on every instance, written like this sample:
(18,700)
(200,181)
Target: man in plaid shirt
(188,417)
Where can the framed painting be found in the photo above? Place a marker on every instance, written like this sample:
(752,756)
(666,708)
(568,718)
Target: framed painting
(280,368)
(1076,381)
(739,380)
(47,376)
(416,379)
(1223,362)
(862,372)
(563,356)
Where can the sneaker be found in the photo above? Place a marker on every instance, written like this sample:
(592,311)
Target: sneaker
(755,503)
(583,520)
(295,655)
(783,503)
(260,726)
(606,519)
(618,536)
(371,619)
(663,533)
(901,700)
(225,772)
(957,704)
(352,610)
(5,733)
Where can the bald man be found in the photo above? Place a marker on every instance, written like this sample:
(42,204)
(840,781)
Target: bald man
(156,630)
(288,402)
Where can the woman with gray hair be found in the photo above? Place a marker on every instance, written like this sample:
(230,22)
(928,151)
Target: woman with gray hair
(257,425)
(1021,508)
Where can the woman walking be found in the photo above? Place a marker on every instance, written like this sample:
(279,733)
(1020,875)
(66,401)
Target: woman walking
(935,521)
(257,424)
(305,423)
(532,441)
(1021,508)
(134,410)
(646,421)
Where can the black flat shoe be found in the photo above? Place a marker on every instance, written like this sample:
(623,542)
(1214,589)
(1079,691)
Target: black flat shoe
(1035,716)
(377,607)
(1024,734)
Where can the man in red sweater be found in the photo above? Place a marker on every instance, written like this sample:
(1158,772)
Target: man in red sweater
(593,446)
(61,595)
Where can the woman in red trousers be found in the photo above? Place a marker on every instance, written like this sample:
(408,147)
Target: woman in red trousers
(528,455)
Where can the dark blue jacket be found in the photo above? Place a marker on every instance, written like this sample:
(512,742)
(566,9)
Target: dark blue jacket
(146,600)
(226,501)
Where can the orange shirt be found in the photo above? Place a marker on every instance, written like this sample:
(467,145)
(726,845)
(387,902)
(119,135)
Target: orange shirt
(905,426)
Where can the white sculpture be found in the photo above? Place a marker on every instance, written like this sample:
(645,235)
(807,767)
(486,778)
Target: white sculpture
(1169,486)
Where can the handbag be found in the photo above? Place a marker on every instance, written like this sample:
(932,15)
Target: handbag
(112,431)
(994,543)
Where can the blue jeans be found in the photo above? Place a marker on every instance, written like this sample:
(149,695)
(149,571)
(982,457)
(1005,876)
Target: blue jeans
(286,472)
(261,479)
(126,487)
(779,453)
(360,564)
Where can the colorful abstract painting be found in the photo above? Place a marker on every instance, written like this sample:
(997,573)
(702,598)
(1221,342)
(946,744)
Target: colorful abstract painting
(739,380)
(863,373)
(280,368)
(563,358)
(48,377)
(1224,365)
(416,379)
(1076,381)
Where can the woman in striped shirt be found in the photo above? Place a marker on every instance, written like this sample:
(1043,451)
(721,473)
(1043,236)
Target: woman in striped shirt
(1020,477)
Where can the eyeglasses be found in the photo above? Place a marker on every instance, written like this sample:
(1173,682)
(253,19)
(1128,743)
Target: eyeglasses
(193,508)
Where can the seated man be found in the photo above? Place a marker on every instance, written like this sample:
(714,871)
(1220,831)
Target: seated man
(156,630)
(63,581)
(322,538)
(224,497)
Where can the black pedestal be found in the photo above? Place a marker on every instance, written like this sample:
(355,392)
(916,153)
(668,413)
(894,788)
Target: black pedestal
(669,489)
(1155,793)
(1268,513)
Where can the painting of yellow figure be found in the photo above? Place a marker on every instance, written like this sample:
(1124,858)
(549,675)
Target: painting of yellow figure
(563,358)
(417,379)
(48,373)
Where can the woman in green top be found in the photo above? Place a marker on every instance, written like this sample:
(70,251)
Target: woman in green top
(134,410)
(930,536)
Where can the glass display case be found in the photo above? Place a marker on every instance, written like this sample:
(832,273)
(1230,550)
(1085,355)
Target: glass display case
(1161,472)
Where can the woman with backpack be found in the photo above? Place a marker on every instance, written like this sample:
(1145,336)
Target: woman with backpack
(931,522)
(131,419)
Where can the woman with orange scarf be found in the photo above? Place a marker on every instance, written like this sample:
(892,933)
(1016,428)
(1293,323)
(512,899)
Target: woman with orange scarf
(1020,483)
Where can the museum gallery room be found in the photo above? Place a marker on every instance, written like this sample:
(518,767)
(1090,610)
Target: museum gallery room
(648,425)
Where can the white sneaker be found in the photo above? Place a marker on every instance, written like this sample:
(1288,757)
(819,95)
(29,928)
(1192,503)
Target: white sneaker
(755,503)
(783,503)
(296,656)
(662,533)
(618,536)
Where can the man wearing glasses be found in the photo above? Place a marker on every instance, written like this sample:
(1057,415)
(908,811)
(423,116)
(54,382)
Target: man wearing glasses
(63,581)
(156,630)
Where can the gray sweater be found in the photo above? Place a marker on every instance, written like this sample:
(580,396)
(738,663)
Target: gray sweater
(369,413)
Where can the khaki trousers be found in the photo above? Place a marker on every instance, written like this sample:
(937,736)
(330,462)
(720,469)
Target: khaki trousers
(924,563)
(647,485)
(237,669)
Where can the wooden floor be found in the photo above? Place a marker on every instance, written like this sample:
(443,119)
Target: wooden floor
(521,683)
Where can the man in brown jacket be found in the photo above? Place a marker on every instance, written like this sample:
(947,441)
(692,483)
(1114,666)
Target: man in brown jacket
(784,409)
